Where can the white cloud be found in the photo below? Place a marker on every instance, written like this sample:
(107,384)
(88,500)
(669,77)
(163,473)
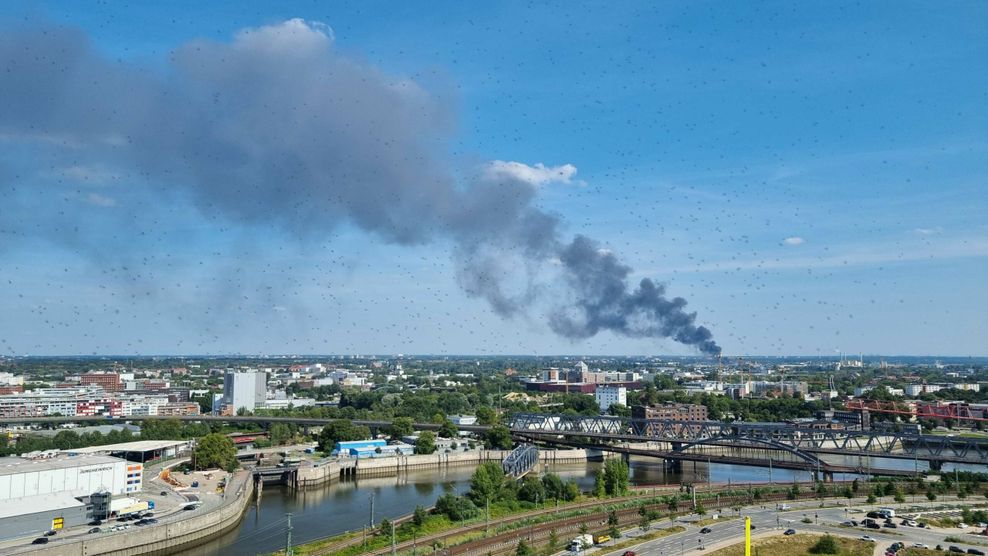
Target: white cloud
(101,200)
(928,231)
(294,36)
(794,240)
(539,174)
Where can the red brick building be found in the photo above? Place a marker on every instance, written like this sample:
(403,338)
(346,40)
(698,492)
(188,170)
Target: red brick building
(109,381)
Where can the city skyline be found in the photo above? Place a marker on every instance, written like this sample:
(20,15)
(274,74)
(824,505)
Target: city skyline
(809,181)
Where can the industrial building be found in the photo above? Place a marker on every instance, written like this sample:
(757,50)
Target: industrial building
(37,495)
(607,396)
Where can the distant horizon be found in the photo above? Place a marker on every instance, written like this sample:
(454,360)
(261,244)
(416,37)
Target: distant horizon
(728,359)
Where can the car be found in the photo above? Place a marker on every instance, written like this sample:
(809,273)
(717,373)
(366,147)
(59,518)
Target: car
(982,524)
(854,523)
(891,526)
(847,524)
(790,532)
(40,540)
(148,514)
(922,525)
(752,526)
(705,530)
(152,521)
(190,507)
(195,484)
(956,549)
(164,493)
(873,526)
(51,533)
(95,522)
(122,519)
(921,545)
(976,551)
(94,530)
(962,525)
(629,553)
(141,522)
(866,538)
(874,514)
(785,507)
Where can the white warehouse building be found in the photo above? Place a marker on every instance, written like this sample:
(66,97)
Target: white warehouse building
(51,493)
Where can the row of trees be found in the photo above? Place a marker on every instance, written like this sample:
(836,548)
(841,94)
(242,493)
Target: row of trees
(489,486)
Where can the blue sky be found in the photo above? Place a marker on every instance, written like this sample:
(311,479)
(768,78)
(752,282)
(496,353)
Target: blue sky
(809,178)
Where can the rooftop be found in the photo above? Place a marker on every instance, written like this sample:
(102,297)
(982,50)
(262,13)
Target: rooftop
(14,465)
(136,446)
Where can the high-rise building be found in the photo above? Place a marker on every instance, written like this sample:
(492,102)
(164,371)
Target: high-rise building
(244,390)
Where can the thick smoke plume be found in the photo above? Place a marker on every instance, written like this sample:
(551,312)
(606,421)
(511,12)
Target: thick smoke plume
(278,128)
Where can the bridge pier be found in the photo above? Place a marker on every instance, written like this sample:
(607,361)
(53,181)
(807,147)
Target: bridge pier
(673,465)
(936,466)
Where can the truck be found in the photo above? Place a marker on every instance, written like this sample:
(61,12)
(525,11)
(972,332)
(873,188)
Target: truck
(887,512)
(601,539)
(580,543)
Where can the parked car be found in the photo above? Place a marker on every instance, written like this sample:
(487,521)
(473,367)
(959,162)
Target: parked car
(956,549)
(195,484)
(40,540)
(51,533)
(94,530)
(629,553)
(921,545)
(891,525)
(705,530)
(976,551)
(790,532)
(152,521)
(873,525)
(867,538)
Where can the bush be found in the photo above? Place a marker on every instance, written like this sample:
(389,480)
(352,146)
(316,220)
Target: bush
(456,508)
(826,545)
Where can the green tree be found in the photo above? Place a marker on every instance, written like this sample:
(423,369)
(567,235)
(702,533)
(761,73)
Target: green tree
(826,545)
(448,430)
(486,483)
(930,496)
(401,427)
(553,540)
(855,485)
(599,484)
(523,549)
(672,502)
(498,437)
(426,443)
(456,508)
(279,434)
(871,499)
(531,490)
(794,492)
(616,477)
(385,527)
(215,450)
(486,415)
(342,430)
(419,516)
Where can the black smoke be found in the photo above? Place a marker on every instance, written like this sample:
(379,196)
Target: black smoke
(278,129)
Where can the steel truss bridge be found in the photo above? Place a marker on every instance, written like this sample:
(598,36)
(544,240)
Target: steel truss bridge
(520,461)
(804,443)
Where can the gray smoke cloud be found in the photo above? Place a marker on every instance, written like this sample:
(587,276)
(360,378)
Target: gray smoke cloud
(277,128)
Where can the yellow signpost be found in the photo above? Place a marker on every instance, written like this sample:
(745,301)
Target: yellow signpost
(747,536)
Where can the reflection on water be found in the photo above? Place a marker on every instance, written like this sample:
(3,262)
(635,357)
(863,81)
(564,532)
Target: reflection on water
(346,506)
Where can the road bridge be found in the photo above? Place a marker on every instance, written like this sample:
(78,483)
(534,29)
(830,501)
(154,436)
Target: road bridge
(804,442)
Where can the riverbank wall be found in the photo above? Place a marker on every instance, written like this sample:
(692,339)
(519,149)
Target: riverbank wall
(164,538)
(327,472)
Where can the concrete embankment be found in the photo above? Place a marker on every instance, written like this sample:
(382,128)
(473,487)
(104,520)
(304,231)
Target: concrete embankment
(330,471)
(187,529)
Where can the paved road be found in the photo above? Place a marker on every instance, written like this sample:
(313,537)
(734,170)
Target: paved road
(769,521)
